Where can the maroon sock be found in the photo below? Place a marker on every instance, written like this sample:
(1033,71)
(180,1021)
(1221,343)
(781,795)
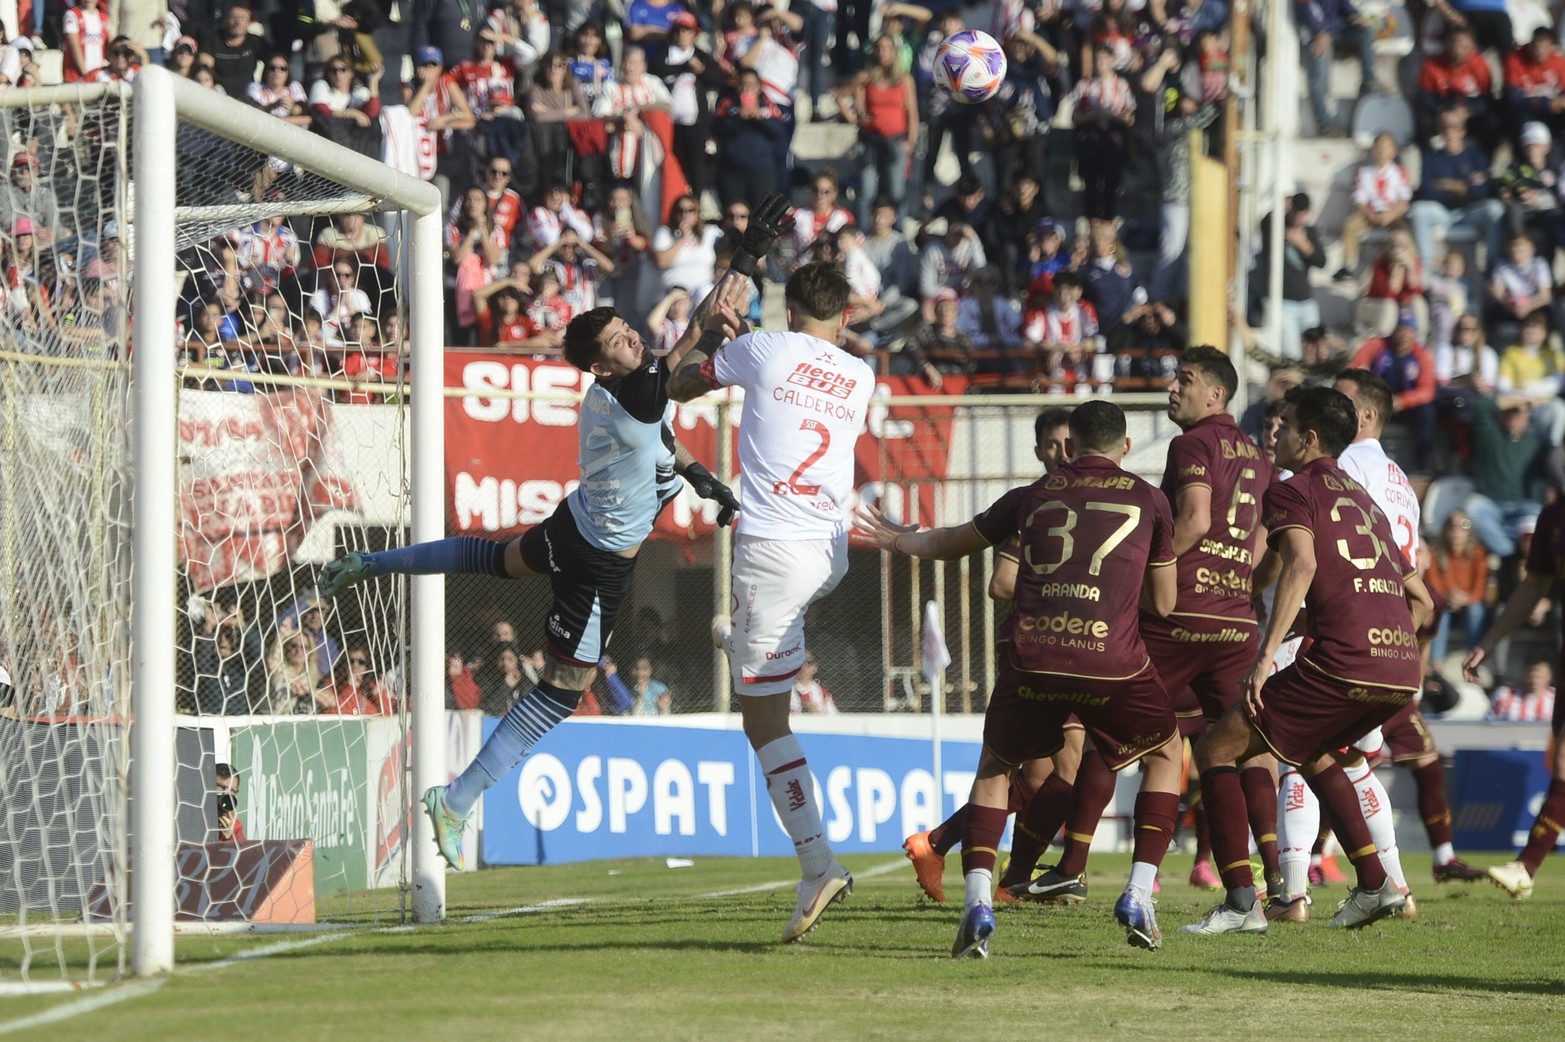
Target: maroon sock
(1432,806)
(1260,799)
(1203,832)
(981,837)
(948,833)
(1089,796)
(1339,801)
(1157,816)
(1037,826)
(1319,847)
(1546,829)
(1020,795)
(1224,798)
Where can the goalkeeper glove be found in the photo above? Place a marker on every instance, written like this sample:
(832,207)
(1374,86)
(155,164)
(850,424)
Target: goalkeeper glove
(708,487)
(766,224)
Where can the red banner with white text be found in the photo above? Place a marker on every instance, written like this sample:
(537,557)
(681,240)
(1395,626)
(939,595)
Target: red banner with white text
(510,461)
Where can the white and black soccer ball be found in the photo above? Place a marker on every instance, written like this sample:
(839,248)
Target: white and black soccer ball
(970,66)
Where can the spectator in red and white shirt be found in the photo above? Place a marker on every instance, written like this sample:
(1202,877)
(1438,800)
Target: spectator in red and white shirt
(546,222)
(125,59)
(270,249)
(1381,196)
(337,96)
(1460,76)
(85,39)
(620,104)
(491,94)
(547,310)
(522,35)
(1532,703)
(1104,109)
(824,215)
(278,93)
(505,205)
(504,323)
(1535,84)
(578,265)
(1066,320)
(438,105)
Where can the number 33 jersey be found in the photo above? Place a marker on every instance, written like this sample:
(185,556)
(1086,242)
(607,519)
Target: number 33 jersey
(1087,534)
(1360,627)
(806,401)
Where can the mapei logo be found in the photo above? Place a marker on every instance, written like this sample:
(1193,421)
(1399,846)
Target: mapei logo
(820,378)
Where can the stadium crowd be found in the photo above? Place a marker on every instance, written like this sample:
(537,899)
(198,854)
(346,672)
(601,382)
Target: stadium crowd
(610,153)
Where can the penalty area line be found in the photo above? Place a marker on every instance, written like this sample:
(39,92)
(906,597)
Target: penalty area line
(83,1005)
(761,888)
(541,906)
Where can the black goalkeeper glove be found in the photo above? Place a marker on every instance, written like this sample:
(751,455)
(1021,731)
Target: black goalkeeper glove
(766,224)
(708,487)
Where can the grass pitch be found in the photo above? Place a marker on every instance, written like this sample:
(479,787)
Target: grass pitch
(635,950)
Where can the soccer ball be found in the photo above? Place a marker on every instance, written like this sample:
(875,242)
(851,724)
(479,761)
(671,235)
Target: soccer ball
(969,66)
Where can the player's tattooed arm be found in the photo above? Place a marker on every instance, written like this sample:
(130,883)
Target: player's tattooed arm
(567,677)
(689,381)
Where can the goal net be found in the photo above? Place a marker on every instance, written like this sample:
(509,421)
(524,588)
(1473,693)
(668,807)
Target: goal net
(266,781)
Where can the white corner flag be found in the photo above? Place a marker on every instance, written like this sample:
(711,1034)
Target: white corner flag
(936,658)
(936,655)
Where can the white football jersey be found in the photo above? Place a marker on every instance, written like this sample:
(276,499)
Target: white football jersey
(806,401)
(1367,463)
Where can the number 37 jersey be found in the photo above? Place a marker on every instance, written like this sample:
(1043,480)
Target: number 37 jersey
(1087,534)
(806,401)
(1360,627)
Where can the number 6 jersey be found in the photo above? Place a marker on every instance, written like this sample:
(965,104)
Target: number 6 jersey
(806,401)
(1360,627)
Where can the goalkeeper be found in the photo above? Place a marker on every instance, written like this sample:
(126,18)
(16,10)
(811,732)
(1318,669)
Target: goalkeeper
(588,547)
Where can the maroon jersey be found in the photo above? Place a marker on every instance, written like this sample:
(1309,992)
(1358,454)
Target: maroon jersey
(1546,556)
(1360,627)
(1214,575)
(1087,534)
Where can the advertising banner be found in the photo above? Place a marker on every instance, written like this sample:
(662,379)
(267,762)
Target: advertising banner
(625,789)
(1495,795)
(509,462)
(257,470)
(304,780)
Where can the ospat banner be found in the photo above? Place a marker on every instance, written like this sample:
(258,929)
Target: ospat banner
(626,789)
(510,461)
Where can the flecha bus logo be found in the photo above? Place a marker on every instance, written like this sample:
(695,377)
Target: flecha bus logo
(820,378)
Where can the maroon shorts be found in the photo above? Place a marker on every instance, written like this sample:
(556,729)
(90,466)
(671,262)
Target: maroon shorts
(1201,661)
(1305,713)
(1407,735)
(1029,712)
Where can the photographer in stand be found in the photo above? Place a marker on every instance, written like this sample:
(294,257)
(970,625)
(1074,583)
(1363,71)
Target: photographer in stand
(229,827)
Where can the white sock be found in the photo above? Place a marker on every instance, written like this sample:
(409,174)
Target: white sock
(1298,823)
(1445,854)
(1376,805)
(980,888)
(793,794)
(1142,875)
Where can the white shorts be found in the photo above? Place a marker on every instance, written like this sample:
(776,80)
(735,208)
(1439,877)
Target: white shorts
(774,582)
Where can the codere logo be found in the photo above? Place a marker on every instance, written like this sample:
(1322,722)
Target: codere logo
(1391,637)
(1063,623)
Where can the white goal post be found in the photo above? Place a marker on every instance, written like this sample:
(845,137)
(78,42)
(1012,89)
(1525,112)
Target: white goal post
(161,101)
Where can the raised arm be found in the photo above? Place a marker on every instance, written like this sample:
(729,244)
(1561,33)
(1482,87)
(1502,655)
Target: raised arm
(698,343)
(938,544)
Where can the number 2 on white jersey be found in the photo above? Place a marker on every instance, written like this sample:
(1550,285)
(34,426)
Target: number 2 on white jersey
(795,485)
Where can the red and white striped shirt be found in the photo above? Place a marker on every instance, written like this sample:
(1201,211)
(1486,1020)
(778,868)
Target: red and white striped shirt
(616,98)
(488,86)
(1381,189)
(1112,95)
(544,225)
(432,144)
(1522,706)
(270,253)
(578,284)
(809,225)
(1064,326)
